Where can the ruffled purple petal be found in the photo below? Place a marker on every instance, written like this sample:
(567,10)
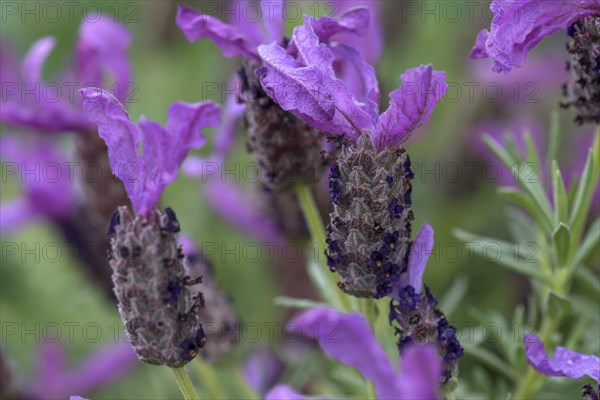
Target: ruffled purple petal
(420,373)
(48,194)
(283,392)
(355,21)
(410,106)
(102,50)
(518,26)
(272,16)
(369,44)
(564,362)
(307,85)
(349,339)
(99,369)
(146,176)
(479,50)
(419,254)
(230,39)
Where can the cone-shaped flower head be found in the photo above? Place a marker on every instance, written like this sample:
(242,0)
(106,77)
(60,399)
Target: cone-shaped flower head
(519,25)
(369,184)
(155,301)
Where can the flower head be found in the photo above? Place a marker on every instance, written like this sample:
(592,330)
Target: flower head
(146,175)
(354,345)
(100,52)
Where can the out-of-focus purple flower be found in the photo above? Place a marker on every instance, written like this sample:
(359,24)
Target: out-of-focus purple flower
(147,175)
(53,379)
(261,370)
(564,362)
(238,207)
(45,177)
(29,101)
(519,25)
(307,86)
(349,339)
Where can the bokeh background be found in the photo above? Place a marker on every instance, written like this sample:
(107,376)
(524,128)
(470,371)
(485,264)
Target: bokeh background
(36,292)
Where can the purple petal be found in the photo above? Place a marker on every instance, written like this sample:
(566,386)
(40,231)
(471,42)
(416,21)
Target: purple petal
(419,254)
(261,370)
(518,26)
(420,372)
(146,176)
(241,209)
(307,86)
(14,214)
(101,49)
(411,105)
(283,392)
(48,193)
(99,369)
(231,40)
(272,16)
(369,44)
(225,136)
(479,51)
(355,21)
(349,339)
(34,61)
(564,362)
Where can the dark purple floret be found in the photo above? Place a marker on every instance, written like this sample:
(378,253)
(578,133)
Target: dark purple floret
(409,298)
(391,241)
(172,222)
(395,208)
(389,180)
(589,393)
(334,172)
(335,191)
(114,221)
(404,342)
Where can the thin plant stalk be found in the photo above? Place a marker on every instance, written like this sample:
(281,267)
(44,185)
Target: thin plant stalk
(185,385)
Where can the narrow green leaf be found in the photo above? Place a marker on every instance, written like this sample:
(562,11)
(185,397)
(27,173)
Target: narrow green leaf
(586,278)
(561,202)
(583,198)
(291,302)
(562,243)
(528,177)
(491,360)
(454,295)
(517,257)
(554,136)
(558,306)
(521,199)
(589,243)
(532,154)
(321,281)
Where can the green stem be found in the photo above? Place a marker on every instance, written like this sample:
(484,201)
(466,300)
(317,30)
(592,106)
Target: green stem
(210,380)
(369,311)
(185,385)
(318,237)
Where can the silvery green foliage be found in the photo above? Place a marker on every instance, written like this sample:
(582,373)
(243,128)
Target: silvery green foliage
(287,149)
(155,303)
(584,89)
(369,234)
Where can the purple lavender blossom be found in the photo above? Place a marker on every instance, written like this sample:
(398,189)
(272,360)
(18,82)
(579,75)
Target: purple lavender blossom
(48,195)
(353,344)
(30,102)
(564,362)
(302,80)
(519,25)
(146,176)
(104,366)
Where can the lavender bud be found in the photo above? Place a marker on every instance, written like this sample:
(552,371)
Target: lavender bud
(155,302)
(369,234)
(417,320)
(218,314)
(286,148)
(584,90)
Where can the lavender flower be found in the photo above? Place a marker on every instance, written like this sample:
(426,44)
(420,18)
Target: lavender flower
(369,184)
(415,315)
(564,362)
(520,25)
(99,369)
(43,196)
(101,51)
(155,302)
(286,148)
(354,345)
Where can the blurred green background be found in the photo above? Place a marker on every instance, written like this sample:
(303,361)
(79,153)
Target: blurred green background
(167,68)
